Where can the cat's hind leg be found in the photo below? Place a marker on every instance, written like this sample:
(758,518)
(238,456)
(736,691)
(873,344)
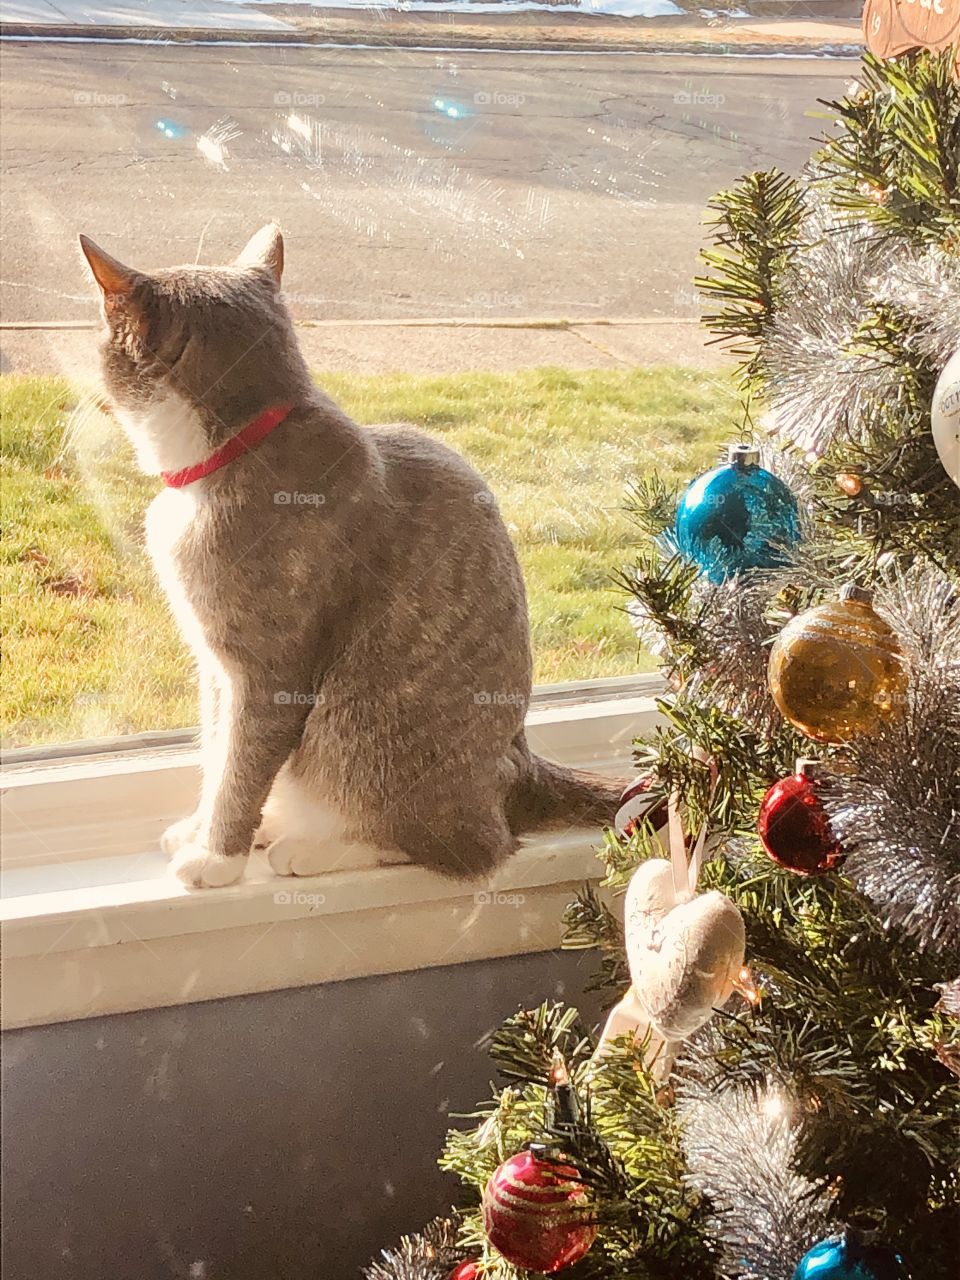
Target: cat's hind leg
(465,845)
(303,835)
(300,856)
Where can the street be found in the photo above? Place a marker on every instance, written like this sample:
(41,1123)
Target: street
(409,184)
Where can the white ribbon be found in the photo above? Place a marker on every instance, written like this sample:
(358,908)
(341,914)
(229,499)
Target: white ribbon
(687,873)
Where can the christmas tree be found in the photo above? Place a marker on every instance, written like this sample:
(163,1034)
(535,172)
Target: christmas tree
(774,1096)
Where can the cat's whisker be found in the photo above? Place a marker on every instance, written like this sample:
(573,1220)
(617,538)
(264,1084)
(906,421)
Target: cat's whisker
(202,235)
(87,407)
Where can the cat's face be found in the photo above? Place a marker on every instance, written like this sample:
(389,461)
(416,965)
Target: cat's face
(187,331)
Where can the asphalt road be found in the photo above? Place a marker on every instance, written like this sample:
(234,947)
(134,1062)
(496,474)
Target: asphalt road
(408,184)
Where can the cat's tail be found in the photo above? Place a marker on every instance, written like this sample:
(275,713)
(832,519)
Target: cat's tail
(548,794)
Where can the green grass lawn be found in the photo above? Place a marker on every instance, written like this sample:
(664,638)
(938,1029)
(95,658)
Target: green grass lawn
(90,649)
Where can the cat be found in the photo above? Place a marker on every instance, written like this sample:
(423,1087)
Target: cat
(351,596)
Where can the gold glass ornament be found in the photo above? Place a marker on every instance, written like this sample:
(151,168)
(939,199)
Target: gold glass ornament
(837,671)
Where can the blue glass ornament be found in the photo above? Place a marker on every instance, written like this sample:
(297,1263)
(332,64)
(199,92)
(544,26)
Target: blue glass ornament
(845,1257)
(737,517)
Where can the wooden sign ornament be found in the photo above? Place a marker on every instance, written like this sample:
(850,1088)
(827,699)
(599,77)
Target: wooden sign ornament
(891,27)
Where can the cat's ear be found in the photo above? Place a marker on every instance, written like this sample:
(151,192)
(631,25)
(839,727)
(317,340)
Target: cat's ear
(264,250)
(119,285)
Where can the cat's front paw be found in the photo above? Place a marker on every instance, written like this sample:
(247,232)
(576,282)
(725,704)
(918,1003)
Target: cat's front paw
(198,868)
(179,834)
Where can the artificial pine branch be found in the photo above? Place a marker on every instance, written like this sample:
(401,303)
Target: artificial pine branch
(895,163)
(428,1256)
(625,1145)
(754,232)
(525,1046)
(826,966)
(651,504)
(590,924)
(662,589)
(742,759)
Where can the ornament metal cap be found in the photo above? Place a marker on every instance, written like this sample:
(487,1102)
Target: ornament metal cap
(852,591)
(743,455)
(550,1152)
(546,1152)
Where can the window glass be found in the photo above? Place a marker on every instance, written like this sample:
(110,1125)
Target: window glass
(495,243)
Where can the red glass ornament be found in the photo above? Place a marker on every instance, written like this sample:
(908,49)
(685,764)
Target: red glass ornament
(636,805)
(537,1213)
(794,829)
(465,1270)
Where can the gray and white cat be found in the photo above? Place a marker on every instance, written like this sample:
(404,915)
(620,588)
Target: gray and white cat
(350,594)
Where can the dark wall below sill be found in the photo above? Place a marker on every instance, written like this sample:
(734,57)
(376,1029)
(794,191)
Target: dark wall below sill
(285,1136)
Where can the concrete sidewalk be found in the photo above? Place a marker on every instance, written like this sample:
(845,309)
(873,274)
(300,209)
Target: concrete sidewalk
(430,347)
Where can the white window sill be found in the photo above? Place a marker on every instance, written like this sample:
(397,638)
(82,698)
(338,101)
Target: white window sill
(92,924)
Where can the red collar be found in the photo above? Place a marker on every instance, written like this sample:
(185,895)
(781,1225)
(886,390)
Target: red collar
(242,442)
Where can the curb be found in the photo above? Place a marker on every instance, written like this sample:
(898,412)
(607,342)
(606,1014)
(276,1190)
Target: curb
(427,346)
(427,322)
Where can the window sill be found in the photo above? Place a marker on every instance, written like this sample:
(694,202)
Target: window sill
(93,925)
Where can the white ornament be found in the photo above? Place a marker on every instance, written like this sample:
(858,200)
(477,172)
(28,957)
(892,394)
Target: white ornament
(685,951)
(945,417)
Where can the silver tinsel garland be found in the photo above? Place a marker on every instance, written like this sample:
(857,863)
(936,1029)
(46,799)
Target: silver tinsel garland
(928,287)
(734,629)
(740,1150)
(824,383)
(897,812)
(429,1256)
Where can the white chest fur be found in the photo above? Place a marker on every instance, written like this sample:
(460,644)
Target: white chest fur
(167,435)
(172,517)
